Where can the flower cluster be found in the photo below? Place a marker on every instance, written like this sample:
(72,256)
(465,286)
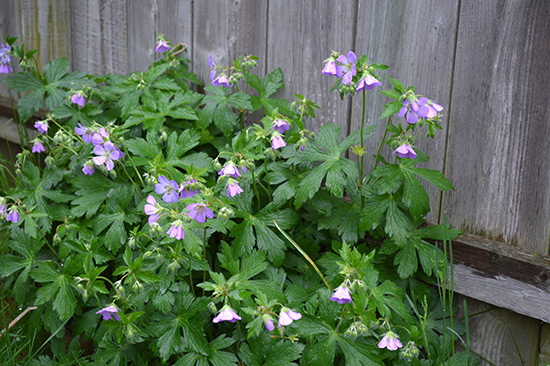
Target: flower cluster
(230,171)
(106,151)
(346,68)
(78,98)
(217,80)
(109,312)
(10,214)
(414,107)
(279,128)
(5,58)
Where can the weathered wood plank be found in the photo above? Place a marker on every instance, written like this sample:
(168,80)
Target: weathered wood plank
(98,36)
(175,21)
(416,39)
(228,30)
(141,15)
(544,347)
(504,276)
(499,123)
(495,333)
(301,35)
(8,25)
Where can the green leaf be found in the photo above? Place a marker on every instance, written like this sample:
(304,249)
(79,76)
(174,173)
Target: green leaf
(415,196)
(10,263)
(358,353)
(397,224)
(65,302)
(56,69)
(433,176)
(320,353)
(406,260)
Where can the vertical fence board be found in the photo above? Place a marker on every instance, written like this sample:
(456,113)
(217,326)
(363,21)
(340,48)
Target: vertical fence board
(98,36)
(8,25)
(416,39)
(228,30)
(142,39)
(495,333)
(175,21)
(499,126)
(500,123)
(300,36)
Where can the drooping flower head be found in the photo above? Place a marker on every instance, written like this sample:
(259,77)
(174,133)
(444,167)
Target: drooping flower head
(341,295)
(226,315)
(100,137)
(199,212)
(367,83)
(153,209)
(13,216)
(428,108)
(41,126)
(346,69)
(78,98)
(287,316)
(221,80)
(390,341)
(3,207)
(185,191)
(168,189)
(405,151)
(231,170)
(37,146)
(162,46)
(277,140)
(330,67)
(233,188)
(89,168)
(176,230)
(268,322)
(410,110)
(106,154)
(5,58)
(280,125)
(109,312)
(213,66)
(84,132)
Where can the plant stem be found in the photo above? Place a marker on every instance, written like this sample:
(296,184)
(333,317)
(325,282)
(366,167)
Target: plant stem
(190,274)
(361,166)
(381,143)
(255,189)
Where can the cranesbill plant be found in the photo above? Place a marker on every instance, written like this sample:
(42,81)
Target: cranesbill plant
(150,224)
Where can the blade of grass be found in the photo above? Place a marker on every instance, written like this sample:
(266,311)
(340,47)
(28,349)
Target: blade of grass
(304,254)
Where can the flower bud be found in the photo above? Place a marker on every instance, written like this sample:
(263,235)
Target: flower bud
(132,242)
(217,165)
(50,161)
(85,296)
(59,138)
(57,239)
(80,288)
(212,307)
(147,254)
(18,172)
(163,136)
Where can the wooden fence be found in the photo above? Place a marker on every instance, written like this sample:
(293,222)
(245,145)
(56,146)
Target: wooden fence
(487,62)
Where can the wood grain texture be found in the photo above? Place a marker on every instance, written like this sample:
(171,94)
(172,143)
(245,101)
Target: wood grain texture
(499,123)
(544,347)
(507,277)
(98,36)
(494,335)
(301,35)
(227,30)
(175,21)
(8,25)
(142,39)
(45,25)
(416,39)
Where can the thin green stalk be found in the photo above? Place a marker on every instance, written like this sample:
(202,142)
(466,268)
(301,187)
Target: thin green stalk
(362,140)
(381,143)
(267,179)
(134,165)
(255,188)
(203,256)
(190,274)
(304,254)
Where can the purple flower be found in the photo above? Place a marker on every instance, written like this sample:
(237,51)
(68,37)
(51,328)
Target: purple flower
(287,316)
(3,209)
(5,57)
(227,314)
(368,82)
(5,68)
(428,108)
(38,147)
(153,209)
(405,151)
(277,141)
(268,322)
(168,189)
(184,189)
(109,312)
(347,69)
(84,132)
(78,98)
(280,125)
(231,170)
(220,80)
(330,67)
(199,212)
(162,46)
(176,230)
(233,188)
(13,216)
(341,295)
(100,137)
(390,341)
(212,65)
(410,109)
(41,126)
(88,168)
(107,154)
